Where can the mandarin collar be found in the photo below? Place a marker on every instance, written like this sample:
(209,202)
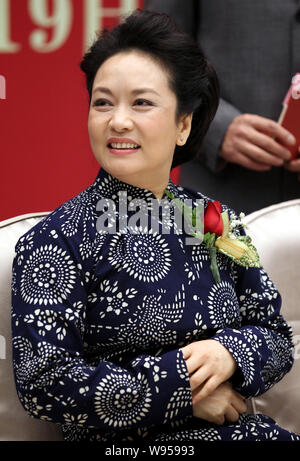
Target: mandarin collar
(110,187)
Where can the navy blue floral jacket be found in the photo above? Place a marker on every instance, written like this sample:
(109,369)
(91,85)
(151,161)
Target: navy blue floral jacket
(98,318)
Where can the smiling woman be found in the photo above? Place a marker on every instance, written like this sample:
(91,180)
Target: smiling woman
(133,130)
(126,335)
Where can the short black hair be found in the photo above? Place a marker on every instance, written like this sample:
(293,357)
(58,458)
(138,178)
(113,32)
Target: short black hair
(191,76)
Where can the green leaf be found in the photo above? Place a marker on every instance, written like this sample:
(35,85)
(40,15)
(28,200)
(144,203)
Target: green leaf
(213,264)
(209,239)
(189,213)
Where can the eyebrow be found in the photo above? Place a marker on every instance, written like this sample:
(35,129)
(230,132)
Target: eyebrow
(134,92)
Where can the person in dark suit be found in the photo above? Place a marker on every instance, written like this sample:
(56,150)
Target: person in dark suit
(255,49)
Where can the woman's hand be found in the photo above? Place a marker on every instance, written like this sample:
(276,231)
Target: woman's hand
(223,404)
(210,363)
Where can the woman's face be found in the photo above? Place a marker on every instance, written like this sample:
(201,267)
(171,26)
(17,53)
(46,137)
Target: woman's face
(132,126)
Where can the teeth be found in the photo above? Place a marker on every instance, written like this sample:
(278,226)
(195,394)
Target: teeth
(123,145)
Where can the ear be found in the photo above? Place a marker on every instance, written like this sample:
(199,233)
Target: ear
(184,129)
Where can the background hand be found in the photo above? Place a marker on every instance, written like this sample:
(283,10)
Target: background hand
(223,404)
(257,143)
(294,166)
(210,363)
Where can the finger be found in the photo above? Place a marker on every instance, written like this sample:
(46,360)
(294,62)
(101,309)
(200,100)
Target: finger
(219,420)
(186,351)
(249,163)
(231,414)
(273,129)
(194,362)
(268,144)
(189,365)
(257,154)
(239,403)
(293,166)
(208,388)
(199,377)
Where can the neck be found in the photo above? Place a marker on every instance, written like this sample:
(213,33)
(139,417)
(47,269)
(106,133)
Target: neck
(156,185)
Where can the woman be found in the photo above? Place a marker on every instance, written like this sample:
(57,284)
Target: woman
(120,332)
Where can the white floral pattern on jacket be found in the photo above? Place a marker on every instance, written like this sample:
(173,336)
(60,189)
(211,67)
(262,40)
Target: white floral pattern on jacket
(98,320)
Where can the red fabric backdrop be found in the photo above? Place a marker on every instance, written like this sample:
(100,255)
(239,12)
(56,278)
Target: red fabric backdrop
(45,153)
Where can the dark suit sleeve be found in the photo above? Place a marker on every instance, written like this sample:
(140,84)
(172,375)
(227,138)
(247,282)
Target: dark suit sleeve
(209,155)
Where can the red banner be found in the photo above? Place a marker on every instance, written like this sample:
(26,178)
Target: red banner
(45,152)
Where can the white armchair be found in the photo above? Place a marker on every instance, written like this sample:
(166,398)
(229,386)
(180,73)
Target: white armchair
(275,231)
(15,423)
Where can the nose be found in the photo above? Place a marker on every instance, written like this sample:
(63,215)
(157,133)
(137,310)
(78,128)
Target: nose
(121,119)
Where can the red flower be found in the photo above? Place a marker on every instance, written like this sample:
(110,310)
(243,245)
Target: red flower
(213,222)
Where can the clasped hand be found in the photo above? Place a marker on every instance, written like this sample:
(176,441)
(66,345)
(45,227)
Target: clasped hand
(210,365)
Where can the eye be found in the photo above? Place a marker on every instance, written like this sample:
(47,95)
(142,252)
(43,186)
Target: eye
(101,103)
(143,103)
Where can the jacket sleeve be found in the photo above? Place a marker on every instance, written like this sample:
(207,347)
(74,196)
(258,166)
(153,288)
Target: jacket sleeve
(263,346)
(210,150)
(55,378)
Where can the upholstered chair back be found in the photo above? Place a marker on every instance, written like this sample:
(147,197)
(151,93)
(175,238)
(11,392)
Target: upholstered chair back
(275,231)
(15,423)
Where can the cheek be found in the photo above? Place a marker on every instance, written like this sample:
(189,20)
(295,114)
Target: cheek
(159,127)
(94,126)
(164,120)
(95,136)
(90,124)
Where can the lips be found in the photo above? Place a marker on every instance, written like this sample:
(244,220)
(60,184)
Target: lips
(122,144)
